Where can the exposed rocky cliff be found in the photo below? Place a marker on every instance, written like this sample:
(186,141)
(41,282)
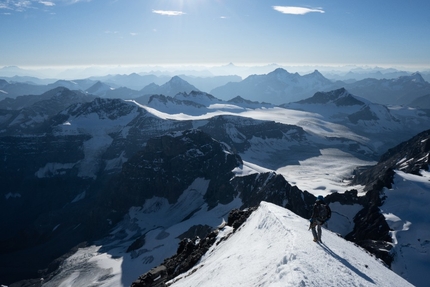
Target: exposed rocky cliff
(169,164)
(189,253)
(371,230)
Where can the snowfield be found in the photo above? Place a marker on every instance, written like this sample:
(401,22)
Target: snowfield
(323,174)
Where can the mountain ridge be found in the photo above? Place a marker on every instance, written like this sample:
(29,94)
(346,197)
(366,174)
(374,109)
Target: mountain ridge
(174,86)
(276,87)
(83,149)
(273,234)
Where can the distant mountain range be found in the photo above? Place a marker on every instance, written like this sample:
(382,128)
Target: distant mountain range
(277,87)
(338,73)
(280,87)
(171,88)
(358,74)
(399,91)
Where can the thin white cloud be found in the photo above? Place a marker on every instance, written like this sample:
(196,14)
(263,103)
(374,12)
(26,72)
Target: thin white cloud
(22,5)
(47,3)
(297,10)
(168,13)
(133,34)
(71,2)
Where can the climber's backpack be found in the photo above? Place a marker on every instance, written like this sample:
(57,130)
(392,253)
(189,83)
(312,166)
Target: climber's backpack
(322,212)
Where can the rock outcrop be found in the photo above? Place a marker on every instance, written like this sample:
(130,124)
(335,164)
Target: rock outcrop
(371,231)
(188,253)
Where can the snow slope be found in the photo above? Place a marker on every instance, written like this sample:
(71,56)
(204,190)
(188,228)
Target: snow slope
(275,248)
(404,209)
(108,264)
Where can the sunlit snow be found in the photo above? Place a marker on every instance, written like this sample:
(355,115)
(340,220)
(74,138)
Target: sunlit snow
(275,248)
(322,174)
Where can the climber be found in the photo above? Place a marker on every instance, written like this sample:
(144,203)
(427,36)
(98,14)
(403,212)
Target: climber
(320,214)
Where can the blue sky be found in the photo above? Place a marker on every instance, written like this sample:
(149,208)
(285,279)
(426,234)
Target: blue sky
(149,32)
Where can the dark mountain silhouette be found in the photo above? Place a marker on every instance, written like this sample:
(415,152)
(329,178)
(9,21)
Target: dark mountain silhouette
(422,102)
(171,88)
(398,91)
(277,87)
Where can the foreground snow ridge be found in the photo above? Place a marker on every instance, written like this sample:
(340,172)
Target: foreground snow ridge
(275,248)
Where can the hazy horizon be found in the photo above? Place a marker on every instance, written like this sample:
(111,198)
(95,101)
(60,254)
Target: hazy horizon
(93,33)
(242,70)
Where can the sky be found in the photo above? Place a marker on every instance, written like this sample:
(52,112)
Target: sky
(69,33)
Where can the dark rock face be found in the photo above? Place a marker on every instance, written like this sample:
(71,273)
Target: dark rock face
(165,100)
(364,114)
(422,102)
(196,231)
(220,128)
(409,156)
(58,98)
(195,96)
(188,253)
(237,217)
(138,243)
(340,97)
(16,89)
(169,164)
(371,231)
(348,197)
(273,188)
(171,88)
(29,114)
(398,91)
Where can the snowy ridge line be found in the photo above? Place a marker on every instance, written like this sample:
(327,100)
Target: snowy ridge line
(275,248)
